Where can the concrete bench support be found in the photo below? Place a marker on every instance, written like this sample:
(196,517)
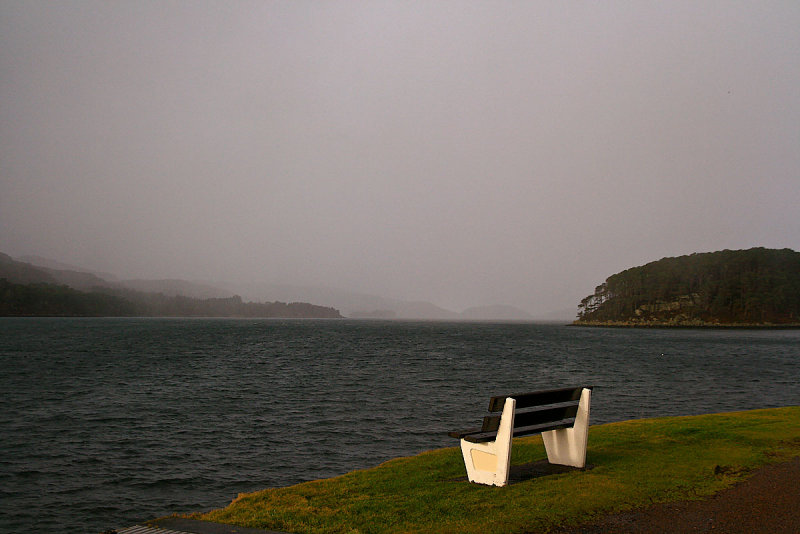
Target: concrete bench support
(567,446)
(488,463)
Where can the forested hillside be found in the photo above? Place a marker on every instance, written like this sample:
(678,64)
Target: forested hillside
(28,290)
(758,286)
(43,299)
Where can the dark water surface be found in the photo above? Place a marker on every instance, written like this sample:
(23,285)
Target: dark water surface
(107,422)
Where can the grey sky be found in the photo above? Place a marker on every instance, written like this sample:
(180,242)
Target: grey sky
(463,152)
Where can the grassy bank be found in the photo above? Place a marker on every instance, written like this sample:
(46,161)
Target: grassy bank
(632,464)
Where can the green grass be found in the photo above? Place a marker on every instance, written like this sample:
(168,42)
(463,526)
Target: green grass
(636,463)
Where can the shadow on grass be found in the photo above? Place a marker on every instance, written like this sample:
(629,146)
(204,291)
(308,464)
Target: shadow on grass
(542,468)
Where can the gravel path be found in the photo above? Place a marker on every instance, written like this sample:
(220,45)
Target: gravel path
(767,502)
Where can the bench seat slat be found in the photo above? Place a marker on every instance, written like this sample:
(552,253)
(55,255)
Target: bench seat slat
(483,437)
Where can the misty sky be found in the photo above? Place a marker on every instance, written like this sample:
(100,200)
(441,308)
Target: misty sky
(464,153)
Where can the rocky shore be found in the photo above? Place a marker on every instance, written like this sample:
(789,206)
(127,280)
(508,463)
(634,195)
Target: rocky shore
(685,324)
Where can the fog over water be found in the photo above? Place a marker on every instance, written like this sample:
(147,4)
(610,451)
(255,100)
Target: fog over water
(464,153)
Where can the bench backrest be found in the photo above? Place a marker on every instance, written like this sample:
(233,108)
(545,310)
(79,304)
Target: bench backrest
(536,408)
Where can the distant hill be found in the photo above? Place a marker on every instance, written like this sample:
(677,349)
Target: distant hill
(28,290)
(80,278)
(758,286)
(173,288)
(37,269)
(40,261)
(364,306)
(352,304)
(41,270)
(23,273)
(52,300)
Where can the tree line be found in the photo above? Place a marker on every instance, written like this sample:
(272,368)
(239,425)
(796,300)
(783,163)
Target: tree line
(43,299)
(754,286)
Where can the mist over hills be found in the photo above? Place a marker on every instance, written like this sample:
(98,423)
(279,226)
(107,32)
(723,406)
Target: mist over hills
(47,263)
(34,291)
(351,304)
(36,269)
(365,306)
(499,312)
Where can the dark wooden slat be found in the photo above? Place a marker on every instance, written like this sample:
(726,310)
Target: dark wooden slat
(544,407)
(533,416)
(537,398)
(536,429)
(483,437)
(539,417)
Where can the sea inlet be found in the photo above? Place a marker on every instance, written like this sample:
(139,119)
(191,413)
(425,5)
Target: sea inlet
(108,422)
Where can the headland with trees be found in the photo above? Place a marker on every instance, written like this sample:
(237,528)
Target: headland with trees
(758,287)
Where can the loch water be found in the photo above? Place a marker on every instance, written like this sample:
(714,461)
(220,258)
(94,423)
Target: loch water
(108,422)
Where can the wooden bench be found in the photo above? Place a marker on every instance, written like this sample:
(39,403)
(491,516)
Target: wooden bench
(560,415)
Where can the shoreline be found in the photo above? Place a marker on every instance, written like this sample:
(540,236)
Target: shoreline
(687,325)
(763,501)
